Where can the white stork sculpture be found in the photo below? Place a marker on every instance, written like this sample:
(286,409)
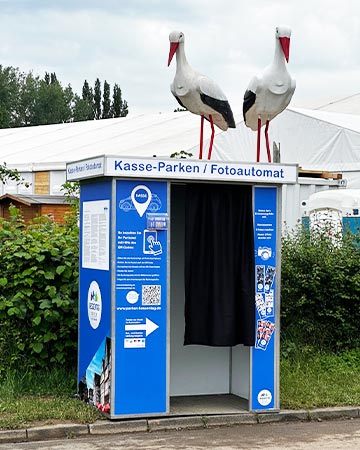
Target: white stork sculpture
(270,93)
(198,93)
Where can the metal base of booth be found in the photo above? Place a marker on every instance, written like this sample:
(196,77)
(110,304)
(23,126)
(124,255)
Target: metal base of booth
(195,405)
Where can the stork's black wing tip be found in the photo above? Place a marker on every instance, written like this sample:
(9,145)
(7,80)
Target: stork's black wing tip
(249,100)
(179,101)
(222,107)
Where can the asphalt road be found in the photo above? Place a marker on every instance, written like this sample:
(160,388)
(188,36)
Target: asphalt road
(326,435)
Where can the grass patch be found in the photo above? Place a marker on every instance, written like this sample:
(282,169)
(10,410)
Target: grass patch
(41,397)
(310,378)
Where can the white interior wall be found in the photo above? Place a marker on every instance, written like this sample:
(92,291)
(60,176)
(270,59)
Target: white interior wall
(240,371)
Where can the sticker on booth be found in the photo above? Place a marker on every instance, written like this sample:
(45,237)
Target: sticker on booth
(264,397)
(94,304)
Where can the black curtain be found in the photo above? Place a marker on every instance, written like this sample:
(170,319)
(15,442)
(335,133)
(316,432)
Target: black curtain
(219,265)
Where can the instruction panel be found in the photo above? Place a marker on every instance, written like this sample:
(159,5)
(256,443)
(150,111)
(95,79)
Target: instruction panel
(265,216)
(141,296)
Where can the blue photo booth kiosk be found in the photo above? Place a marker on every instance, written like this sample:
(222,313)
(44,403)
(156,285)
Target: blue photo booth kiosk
(132,357)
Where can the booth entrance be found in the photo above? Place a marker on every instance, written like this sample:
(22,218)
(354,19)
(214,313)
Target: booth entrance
(203,379)
(133,265)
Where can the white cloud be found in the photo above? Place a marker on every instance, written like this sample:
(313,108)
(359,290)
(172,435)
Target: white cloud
(127,43)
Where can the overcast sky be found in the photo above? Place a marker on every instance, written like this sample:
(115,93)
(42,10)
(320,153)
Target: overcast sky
(126,42)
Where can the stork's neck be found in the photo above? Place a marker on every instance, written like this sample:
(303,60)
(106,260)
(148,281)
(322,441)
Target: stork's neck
(181,61)
(279,58)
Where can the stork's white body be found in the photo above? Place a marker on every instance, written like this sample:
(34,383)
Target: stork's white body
(273,89)
(189,84)
(198,93)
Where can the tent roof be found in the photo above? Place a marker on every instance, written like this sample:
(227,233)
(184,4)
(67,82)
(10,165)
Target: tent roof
(315,139)
(158,134)
(348,105)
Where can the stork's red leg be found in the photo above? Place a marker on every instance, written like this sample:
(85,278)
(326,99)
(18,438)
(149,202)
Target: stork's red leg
(267,141)
(258,141)
(212,136)
(201,137)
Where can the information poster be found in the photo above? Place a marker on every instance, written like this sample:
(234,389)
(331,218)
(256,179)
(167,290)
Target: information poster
(263,353)
(95,234)
(141,297)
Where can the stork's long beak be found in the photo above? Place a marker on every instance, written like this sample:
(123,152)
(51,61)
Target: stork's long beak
(173,48)
(285,45)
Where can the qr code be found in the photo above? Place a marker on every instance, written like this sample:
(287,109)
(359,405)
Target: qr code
(151,294)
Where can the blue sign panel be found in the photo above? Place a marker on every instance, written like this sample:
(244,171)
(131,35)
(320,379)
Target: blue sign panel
(141,299)
(263,353)
(94,295)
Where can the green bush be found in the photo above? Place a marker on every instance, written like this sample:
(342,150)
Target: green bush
(38,293)
(320,291)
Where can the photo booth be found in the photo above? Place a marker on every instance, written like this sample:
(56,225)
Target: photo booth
(179,290)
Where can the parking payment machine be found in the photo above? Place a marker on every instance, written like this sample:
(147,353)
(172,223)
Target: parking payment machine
(132,357)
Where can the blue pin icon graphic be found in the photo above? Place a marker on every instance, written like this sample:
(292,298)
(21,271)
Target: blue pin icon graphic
(141,198)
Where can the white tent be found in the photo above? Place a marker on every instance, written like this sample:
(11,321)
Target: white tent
(348,105)
(316,140)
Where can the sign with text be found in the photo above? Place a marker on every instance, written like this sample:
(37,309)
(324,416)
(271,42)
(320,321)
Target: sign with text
(175,169)
(141,299)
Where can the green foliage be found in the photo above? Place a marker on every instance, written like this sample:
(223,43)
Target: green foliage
(106,103)
(119,106)
(84,107)
(320,290)
(41,396)
(311,378)
(11,174)
(52,102)
(39,293)
(97,98)
(71,190)
(26,99)
(8,95)
(181,155)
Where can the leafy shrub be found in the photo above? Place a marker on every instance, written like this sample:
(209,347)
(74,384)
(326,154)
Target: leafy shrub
(38,293)
(320,292)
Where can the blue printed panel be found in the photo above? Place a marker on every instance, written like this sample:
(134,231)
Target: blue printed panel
(263,354)
(141,299)
(94,349)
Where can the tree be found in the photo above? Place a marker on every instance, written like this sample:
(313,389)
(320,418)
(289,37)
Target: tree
(88,106)
(97,98)
(106,104)
(82,109)
(47,78)
(9,88)
(119,107)
(25,107)
(53,78)
(26,100)
(52,102)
